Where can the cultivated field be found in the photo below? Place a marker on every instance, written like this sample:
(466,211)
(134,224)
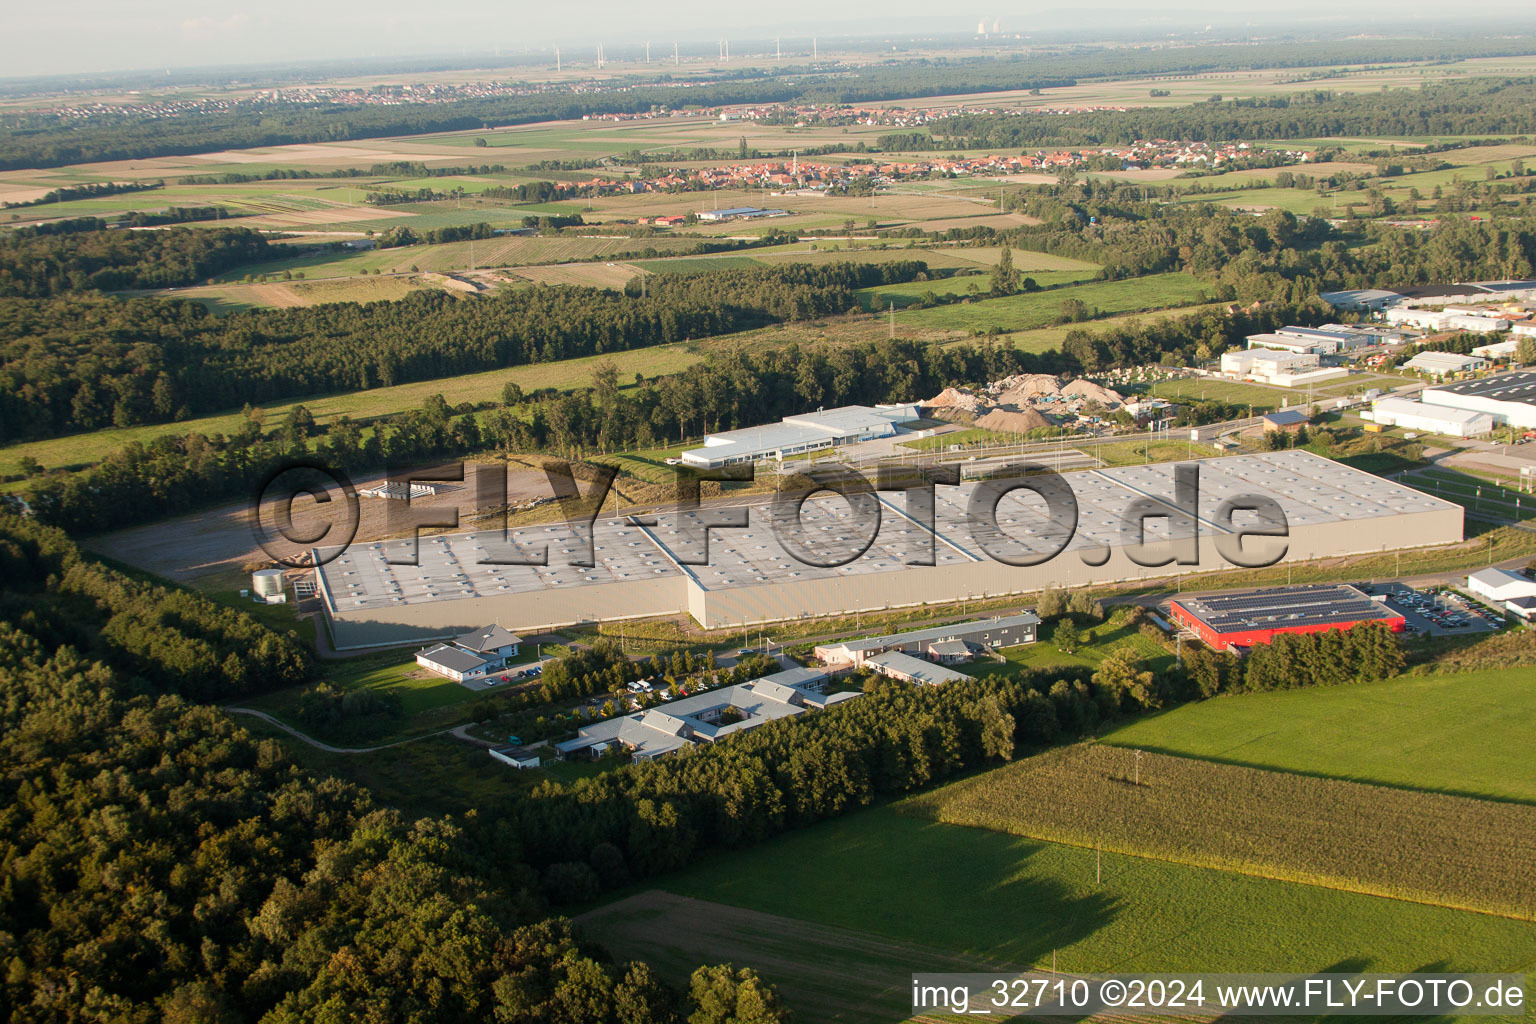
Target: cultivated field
(1042,309)
(1466,733)
(1002,898)
(827,973)
(1425,847)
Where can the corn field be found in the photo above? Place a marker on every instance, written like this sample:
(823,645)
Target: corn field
(1426,847)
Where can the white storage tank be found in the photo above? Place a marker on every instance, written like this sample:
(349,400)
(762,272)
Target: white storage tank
(267,582)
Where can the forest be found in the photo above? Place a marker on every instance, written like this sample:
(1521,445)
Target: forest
(736,388)
(84,361)
(85,255)
(161,864)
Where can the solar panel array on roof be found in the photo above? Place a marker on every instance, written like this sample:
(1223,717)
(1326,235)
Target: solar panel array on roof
(1284,608)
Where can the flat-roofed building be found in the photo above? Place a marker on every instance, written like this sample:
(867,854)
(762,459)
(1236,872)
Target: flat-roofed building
(936,642)
(1249,617)
(796,435)
(1432,419)
(372,598)
(1443,364)
(1510,398)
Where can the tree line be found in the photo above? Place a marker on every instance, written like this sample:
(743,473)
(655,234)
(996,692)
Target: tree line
(734,388)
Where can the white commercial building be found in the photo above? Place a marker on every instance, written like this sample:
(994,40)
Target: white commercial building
(1443,364)
(1510,398)
(471,656)
(1477,323)
(1277,366)
(1409,316)
(1497,350)
(1500,585)
(1295,342)
(1432,419)
(794,435)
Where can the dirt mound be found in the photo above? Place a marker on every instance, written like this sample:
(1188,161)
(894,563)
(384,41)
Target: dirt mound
(1106,397)
(959,399)
(1025,388)
(1013,421)
(951,414)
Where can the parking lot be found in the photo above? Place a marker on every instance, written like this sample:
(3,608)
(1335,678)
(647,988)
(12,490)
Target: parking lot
(1437,614)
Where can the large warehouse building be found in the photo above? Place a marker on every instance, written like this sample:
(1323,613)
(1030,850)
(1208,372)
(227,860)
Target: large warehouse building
(1249,617)
(643,571)
(1510,398)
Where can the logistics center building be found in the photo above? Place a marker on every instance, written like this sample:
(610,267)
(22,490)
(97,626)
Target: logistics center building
(1249,617)
(640,571)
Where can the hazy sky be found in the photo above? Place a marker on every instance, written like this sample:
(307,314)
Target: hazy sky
(73,36)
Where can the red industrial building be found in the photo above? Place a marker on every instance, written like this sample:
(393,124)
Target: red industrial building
(1248,617)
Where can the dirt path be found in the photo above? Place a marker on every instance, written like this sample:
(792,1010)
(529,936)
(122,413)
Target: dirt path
(457,733)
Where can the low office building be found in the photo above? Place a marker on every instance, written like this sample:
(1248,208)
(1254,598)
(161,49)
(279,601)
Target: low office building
(1444,364)
(937,643)
(1431,419)
(796,435)
(1249,617)
(907,669)
(471,656)
(705,717)
(1510,398)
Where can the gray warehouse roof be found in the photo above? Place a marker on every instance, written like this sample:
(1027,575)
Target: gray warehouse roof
(1310,489)
(1506,387)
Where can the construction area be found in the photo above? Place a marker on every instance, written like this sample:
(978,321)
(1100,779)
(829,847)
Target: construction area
(750,576)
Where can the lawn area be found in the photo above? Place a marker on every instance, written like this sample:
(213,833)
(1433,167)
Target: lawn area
(881,296)
(1463,733)
(418,689)
(1199,389)
(1099,641)
(1473,493)
(1016,901)
(1045,309)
